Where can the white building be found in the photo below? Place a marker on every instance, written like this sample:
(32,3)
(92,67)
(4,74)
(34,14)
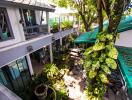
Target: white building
(21,35)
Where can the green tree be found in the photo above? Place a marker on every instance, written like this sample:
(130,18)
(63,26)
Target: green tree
(100,59)
(86,9)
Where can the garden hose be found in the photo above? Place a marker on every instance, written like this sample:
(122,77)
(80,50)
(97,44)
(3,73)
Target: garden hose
(53,90)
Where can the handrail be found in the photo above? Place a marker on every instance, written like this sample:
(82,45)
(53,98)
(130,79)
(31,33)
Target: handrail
(34,26)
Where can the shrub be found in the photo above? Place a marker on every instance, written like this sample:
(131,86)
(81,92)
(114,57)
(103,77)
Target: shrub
(66,25)
(54,27)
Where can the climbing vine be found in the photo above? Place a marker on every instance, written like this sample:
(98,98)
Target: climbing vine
(101,58)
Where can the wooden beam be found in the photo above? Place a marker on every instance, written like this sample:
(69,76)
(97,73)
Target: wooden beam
(11,53)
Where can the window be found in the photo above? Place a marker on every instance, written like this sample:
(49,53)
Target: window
(15,75)
(31,28)
(28,17)
(43,18)
(5,27)
(28,21)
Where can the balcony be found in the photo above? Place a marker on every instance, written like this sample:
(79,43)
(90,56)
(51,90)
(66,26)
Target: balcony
(64,33)
(35,31)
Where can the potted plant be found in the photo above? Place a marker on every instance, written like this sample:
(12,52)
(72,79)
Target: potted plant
(41,91)
(54,27)
(66,25)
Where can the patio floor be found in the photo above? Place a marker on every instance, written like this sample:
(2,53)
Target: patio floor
(75,82)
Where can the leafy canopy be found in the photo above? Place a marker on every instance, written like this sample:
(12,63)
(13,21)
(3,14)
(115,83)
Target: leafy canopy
(86,9)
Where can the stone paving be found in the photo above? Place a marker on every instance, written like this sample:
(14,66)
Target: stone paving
(75,82)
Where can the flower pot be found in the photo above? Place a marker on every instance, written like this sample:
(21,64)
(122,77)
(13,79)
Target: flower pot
(41,91)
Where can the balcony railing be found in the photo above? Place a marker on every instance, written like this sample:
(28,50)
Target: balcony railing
(35,31)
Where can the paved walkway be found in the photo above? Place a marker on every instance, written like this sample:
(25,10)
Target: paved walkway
(75,82)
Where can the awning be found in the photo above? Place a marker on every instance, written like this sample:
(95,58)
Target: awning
(28,4)
(125,66)
(90,37)
(87,37)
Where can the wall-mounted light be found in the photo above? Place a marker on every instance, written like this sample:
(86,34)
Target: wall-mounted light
(29,48)
(21,21)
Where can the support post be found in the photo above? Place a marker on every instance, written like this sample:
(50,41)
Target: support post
(47,21)
(60,29)
(61,42)
(51,53)
(29,64)
(50,46)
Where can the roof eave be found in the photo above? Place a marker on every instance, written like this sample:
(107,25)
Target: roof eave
(20,5)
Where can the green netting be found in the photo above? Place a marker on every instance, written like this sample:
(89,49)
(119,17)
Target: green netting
(90,37)
(125,61)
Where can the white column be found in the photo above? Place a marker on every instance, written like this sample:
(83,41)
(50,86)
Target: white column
(47,21)
(50,46)
(61,42)
(29,64)
(60,30)
(51,53)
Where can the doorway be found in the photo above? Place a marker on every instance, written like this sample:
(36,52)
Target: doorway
(39,58)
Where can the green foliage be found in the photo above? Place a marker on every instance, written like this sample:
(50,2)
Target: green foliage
(106,69)
(92,74)
(99,61)
(52,71)
(55,76)
(99,46)
(111,63)
(103,78)
(66,25)
(55,27)
(113,53)
(86,10)
(50,76)
(88,51)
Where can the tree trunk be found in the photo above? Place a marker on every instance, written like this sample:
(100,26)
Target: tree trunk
(113,23)
(100,16)
(87,27)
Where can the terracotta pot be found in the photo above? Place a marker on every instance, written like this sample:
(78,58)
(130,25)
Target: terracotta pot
(41,91)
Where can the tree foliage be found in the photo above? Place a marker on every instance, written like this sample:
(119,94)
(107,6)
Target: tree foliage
(100,59)
(86,9)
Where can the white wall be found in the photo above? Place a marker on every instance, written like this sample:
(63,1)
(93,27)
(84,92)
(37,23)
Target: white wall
(6,94)
(17,28)
(38,17)
(125,39)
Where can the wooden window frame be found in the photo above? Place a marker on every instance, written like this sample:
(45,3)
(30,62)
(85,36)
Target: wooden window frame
(9,26)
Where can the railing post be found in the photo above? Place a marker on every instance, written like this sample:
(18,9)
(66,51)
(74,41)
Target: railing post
(60,29)
(50,46)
